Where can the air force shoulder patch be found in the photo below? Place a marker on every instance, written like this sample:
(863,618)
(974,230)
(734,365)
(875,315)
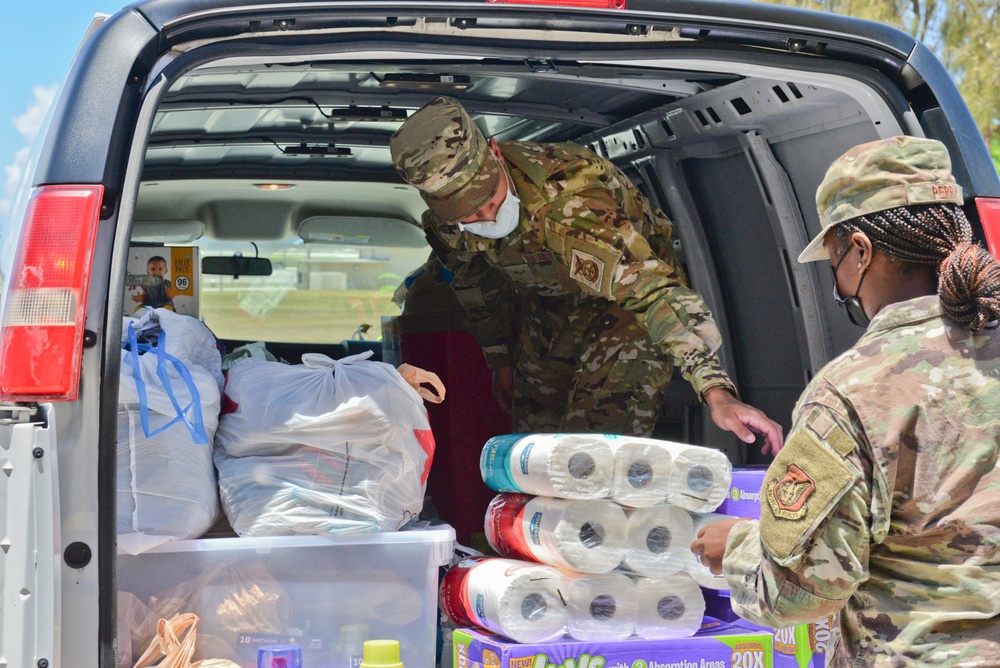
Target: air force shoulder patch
(591,264)
(586,268)
(788,495)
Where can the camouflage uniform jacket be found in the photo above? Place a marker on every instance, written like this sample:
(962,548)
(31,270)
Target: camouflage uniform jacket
(885,501)
(586,234)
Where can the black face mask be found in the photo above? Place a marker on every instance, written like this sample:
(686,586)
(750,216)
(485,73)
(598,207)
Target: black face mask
(855,312)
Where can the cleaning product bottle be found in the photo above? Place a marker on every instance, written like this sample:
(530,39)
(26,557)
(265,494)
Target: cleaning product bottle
(279,656)
(352,643)
(381,654)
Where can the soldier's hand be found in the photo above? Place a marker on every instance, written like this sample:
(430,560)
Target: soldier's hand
(733,415)
(710,545)
(503,387)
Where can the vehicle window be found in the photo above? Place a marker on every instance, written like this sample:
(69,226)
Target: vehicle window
(316,293)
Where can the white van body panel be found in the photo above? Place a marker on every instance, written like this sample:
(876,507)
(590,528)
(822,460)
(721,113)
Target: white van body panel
(29,541)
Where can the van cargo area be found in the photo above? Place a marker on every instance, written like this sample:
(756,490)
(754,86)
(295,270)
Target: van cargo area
(230,163)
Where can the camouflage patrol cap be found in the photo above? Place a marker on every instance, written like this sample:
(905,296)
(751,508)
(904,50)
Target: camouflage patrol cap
(441,151)
(881,175)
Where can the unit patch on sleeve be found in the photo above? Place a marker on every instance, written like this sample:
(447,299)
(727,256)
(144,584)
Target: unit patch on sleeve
(803,486)
(591,265)
(789,494)
(587,269)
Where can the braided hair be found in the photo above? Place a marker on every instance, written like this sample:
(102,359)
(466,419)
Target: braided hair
(937,235)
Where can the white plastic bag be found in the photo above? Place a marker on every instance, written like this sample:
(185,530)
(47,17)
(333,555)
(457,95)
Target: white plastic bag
(328,446)
(169,394)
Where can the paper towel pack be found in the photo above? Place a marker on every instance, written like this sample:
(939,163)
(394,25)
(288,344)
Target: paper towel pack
(669,607)
(568,466)
(658,540)
(600,607)
(585,535)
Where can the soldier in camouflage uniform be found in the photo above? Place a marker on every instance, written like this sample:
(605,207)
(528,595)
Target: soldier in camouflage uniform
(558,240)
(885,502)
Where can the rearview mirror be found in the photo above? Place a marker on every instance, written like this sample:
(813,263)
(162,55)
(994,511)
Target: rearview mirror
(236,266)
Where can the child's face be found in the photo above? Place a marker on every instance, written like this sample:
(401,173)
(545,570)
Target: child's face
(156,268)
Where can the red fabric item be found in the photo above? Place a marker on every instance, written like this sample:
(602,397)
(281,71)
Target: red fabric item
(462,423)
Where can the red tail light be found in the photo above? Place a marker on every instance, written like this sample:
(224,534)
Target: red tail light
(989,215)
(596,4)
(41,335)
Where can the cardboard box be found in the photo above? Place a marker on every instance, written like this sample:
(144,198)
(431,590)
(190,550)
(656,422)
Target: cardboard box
(744,499)
(162,277)
(717,645)
(801,646)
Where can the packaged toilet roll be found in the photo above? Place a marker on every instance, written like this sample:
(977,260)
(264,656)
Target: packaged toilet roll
(699,477)
(642,470)
(568,466)
(670,607)
(658,540)
(517,599)
(600,607)
(698,571)
(586,535)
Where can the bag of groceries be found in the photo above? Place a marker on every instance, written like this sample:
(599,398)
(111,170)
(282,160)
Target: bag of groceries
(323,447)
(168,409)
(174,645)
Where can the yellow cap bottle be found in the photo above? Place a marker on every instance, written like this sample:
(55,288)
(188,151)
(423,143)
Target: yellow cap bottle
(381,654)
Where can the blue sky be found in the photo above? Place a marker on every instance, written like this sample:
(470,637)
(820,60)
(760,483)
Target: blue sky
(37,43)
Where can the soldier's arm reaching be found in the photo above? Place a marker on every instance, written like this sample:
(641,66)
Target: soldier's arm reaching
(809,552)
(596,230)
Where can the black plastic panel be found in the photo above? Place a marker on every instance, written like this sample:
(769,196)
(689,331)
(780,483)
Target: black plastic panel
(754,286)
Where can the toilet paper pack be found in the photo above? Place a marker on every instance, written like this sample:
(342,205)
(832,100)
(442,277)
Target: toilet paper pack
(717,645)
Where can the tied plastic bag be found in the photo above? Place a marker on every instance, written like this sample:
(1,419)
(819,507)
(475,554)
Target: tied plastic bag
(416,377)
(229,598)
(325,447)
(256,349)
(168,405)
(174,645)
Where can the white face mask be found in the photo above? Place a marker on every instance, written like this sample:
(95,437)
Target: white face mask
(508,215)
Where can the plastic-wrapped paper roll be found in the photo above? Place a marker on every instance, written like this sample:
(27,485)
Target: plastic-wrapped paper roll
(517,599)
(586,535)
(699,572)
(600,607)
(658,540)
(699,477)
(642,472)
(670,607)
(568,466)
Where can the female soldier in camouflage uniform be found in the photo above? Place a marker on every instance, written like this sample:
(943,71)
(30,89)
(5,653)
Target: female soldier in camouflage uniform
(885,502)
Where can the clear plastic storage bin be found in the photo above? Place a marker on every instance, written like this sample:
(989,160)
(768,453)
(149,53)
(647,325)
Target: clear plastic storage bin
(326,594)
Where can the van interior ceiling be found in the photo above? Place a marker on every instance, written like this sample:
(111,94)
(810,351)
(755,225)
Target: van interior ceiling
(260,147)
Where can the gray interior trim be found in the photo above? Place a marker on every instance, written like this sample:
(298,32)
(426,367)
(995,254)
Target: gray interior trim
(790,237)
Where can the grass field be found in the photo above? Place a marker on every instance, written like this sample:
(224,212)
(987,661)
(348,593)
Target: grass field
(295,316)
